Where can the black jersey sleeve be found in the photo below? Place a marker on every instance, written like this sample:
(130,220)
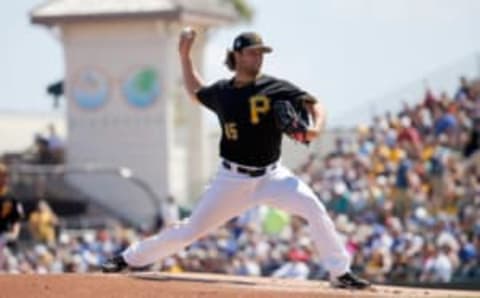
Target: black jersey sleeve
(290,92)
(208,95)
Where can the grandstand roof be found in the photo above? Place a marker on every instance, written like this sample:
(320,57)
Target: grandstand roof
(208,12)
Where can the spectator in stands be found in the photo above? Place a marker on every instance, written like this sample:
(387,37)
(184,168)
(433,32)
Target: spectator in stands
(170,212)
(378,266)
(340,201)
(11,213)
(55,145)
(403,181)
(244,265)
(297,265)
(43,155)
(463,92)
(446,121)
(408,136)
(429,100)
(438,267)
(42,223)
(473,143)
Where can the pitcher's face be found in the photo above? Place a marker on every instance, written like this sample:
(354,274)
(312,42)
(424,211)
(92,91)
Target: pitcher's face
(249,60)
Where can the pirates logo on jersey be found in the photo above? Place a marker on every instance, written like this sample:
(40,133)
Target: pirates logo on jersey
(259,104)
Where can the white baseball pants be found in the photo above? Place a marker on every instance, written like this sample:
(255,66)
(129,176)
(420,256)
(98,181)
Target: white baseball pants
(232,193)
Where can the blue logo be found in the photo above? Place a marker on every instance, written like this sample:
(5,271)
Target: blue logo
(142,88)
(90,89)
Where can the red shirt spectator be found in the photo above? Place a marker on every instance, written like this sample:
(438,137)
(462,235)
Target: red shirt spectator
(408,133)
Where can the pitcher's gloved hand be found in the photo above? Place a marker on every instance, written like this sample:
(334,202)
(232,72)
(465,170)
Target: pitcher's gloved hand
(292,121)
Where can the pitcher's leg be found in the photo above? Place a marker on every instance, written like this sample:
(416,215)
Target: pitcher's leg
(223,200)
(287,192)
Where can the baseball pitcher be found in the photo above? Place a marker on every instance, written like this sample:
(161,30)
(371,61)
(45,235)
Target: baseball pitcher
(254,110)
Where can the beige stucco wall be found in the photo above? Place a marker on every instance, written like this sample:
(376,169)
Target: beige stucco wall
(118,133)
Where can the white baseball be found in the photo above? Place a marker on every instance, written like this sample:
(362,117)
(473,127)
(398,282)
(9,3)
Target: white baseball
(188,32)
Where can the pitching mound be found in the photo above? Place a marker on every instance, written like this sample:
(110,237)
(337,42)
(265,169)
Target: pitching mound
(163,285)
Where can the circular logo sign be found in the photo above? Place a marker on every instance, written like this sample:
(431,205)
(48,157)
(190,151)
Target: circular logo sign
(141,88)
(90,89)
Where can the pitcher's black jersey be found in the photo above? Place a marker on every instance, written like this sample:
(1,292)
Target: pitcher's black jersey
(249,134)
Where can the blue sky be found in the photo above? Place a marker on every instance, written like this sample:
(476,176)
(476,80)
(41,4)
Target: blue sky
(346,52)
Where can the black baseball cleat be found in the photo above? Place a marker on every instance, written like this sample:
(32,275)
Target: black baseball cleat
(115,264)
(350,281)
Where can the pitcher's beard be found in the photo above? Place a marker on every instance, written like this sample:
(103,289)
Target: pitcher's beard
(253,73)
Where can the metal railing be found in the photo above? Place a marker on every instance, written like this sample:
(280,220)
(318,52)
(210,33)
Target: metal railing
(39,180)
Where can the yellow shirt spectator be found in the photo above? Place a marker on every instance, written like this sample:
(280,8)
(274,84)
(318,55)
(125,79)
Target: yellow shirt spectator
(428,152)
(42,223)
(396,155)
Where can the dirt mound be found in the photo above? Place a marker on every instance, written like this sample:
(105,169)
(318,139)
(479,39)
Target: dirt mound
(164,285)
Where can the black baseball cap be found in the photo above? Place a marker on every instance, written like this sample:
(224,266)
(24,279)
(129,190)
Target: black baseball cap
(250,40)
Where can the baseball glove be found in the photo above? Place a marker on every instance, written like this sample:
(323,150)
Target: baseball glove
(293,121)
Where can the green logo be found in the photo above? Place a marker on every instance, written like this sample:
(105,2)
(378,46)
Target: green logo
(142,87)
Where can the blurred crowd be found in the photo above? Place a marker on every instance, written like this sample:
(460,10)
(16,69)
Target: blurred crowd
(403,191)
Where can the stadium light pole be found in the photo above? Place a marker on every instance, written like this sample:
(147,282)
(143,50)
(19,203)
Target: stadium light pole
(127,174)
